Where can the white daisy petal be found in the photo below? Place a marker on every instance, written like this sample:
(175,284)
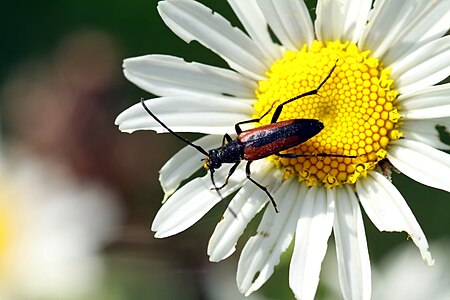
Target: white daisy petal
(384,24)
(425,131)
(351,246)
(429,103)
(426,66)
(191,20)
(290,21)
(311,241)
(430,23)
(421,163)
(438,111)
(165,75)
(185,163)
(388,210)
(341,20)
(210,115)
(275,232)
(192,201)
(397,28)
(255,24)
(246,204)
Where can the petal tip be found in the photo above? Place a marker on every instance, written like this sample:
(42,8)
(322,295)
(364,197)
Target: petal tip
(427,258)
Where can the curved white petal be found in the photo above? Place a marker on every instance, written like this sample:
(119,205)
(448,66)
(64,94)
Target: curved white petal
(191,20)
(438,111)
(192,201)
(431,23)
(429,103)
(388,210)
(397,28)
(210,115)
(351,247)
(166,75)
(426,66)
(290,21)
(416,99)
(246,204)
(421,163)
(185,163)
(311,241)
(341,20)
(425,131)
(255,24)
(386,20)
(275,232)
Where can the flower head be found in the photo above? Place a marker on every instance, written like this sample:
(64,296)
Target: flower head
(384,65)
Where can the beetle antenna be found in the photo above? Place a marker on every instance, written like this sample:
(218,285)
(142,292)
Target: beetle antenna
(199,148)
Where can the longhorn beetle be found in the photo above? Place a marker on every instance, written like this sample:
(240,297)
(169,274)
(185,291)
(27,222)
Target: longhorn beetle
(260,142)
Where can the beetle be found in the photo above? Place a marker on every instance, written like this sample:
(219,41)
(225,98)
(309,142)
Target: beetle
(259,142)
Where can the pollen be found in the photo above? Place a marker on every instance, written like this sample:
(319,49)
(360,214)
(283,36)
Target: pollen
(356,106)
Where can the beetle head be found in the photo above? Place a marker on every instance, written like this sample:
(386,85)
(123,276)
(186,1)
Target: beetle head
(212,160)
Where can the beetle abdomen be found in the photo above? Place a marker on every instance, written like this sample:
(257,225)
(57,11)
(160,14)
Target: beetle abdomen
(269,139)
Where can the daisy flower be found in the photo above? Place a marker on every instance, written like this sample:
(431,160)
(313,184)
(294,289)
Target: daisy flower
(381,104)
(52,229)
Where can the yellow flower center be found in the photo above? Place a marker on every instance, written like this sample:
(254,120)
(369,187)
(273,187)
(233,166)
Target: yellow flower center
(355,105)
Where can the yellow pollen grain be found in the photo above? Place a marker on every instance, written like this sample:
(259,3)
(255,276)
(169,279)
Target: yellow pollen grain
(356,106)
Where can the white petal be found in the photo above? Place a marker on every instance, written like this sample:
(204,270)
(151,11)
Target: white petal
(246,204)
(425,131)
(388,210)
(165,75)
(341,20)
(429,103)
(192,201)
(438,111)
(185,163)
(397,28)
(210,115)
(431,21)
(275,232)
(191,20)
(351,247)
(426,66)
(421,163)
(311,241)
(290,21)
(255,24)
(386,20)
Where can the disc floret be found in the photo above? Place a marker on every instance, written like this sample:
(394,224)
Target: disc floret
(356,105)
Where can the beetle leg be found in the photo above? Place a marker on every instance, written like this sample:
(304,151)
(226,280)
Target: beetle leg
(232,169)
(239,129)
(227,138)
(277,112)
(248,173)
(214,183)
(220,195)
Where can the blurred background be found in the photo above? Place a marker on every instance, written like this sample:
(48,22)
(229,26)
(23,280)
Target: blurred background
(77,196)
